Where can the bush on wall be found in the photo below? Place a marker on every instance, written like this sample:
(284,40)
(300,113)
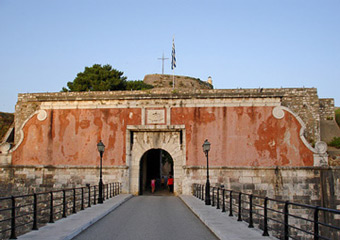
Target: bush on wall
(335,142)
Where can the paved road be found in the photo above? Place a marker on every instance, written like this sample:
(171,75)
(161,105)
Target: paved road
(149,217)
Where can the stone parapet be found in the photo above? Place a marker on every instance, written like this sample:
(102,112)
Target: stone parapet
(315,186)
(327,109)
(166,93)
(29,179)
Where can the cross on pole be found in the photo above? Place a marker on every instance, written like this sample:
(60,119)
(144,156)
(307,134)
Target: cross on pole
(163,58)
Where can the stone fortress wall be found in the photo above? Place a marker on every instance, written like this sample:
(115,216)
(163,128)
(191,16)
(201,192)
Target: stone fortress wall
(316,185)
(302,101)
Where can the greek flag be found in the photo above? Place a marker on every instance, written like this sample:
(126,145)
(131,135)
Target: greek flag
(173,59)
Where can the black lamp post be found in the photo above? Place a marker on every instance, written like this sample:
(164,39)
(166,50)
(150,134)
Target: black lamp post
(206,148)
(101,149)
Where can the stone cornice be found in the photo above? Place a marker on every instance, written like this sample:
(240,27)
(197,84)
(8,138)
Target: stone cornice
(163,94)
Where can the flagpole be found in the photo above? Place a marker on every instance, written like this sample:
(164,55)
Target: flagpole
(173,62)
(173,78)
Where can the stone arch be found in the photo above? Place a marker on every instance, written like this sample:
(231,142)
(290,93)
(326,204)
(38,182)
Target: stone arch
(167,138)
(151,167)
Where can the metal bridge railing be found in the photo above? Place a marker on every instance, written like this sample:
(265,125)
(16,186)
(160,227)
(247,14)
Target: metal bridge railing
(22,213)
(284,219)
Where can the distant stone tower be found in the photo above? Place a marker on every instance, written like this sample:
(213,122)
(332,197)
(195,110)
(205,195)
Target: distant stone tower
(209,80)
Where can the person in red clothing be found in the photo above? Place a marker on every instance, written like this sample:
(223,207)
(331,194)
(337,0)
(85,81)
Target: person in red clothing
(153,185)
(171,184)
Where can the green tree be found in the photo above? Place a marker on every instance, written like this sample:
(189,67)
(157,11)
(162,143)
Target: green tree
(6,119)
(97,78)
(137,85)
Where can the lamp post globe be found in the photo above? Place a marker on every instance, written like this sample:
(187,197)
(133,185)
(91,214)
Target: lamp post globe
(206,149)
(101,149)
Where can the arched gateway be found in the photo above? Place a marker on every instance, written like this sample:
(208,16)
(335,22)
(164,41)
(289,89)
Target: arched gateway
(142,140)
(155,164)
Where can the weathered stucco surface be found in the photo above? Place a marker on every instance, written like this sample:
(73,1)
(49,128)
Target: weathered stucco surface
(240,136)
(69,137)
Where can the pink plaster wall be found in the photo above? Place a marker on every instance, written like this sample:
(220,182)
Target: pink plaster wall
(242,136)
(239,136)
(70,137)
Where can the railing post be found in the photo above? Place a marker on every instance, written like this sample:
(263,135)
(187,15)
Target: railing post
(89,193)
(286,228)
(239,207)
(74,200)
(213,197)
(223,203)
(110,190)
(64,204)
(94,195)
(218,199)
(51,208)
(35,210)
(316,223)
(13,235)
(251,225)
(107,191)
(200,196)
(231,204)
(82,199)
(202,189)
(265,218)
(103,192)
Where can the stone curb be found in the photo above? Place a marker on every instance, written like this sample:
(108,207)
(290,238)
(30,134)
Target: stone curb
(68,228)
(223,226)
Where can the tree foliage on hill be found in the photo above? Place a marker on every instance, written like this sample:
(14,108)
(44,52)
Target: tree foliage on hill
(103,78)
(6,119)
(97,78)
(137,85)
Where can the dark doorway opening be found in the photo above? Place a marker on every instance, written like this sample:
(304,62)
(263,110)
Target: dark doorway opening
(155,164)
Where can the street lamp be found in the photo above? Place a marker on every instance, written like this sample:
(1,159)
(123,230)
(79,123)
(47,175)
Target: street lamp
(101,149)
(206,149)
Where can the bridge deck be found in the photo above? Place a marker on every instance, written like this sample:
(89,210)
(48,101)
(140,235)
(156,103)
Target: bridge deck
(219,223)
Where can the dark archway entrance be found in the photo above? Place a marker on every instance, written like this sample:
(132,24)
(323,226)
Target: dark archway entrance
(155,164)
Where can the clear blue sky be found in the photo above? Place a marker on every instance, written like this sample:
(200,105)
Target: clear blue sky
(240,43)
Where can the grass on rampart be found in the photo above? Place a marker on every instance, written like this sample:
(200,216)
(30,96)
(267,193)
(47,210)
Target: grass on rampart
(337,116)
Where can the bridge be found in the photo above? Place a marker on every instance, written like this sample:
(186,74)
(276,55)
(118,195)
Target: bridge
(76,214)
(147,217)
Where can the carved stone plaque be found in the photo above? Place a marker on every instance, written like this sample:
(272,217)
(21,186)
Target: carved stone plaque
(155,116)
